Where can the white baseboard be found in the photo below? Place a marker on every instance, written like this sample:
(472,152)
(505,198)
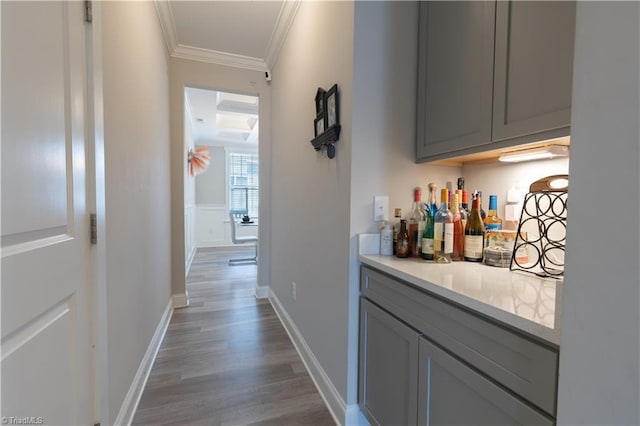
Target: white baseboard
(190,260)
(329,393)
(354,416)
(180,300)
(131,400)
(262,292)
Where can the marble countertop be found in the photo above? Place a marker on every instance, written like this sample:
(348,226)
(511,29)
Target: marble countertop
(520,300)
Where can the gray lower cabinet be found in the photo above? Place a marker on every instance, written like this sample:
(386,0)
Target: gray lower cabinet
(426,361)
(388,370)
(451,393)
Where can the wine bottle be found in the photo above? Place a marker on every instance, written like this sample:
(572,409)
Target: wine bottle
(492,222)
(414,219)
(464,213)
(386,240)
(397,214)
(402,248)
(460,183)
(443,231)
(431,208)
(458,230)
(483,214)
(474,232)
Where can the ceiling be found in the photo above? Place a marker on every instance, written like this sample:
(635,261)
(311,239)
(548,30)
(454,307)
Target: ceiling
(244,34)
(222,119)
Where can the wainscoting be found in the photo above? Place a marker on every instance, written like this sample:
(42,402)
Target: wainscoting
(212,227)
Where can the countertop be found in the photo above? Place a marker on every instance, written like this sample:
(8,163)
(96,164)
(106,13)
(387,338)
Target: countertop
(520,300)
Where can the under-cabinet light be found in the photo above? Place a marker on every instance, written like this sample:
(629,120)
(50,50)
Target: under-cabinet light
(540,153)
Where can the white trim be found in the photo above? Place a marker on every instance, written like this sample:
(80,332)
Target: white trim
(132,399)
(167,23)
(278,36)
(190,259)
(262,292)
(217,57)
(180,300)
(327,390)
(280,31)
(354,416)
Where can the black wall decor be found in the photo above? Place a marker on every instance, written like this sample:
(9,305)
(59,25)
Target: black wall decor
(326,125)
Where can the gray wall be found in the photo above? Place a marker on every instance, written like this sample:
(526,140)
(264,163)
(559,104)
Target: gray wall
(211,185)
(599,356)
(310,193)
(384,114)
(136,135)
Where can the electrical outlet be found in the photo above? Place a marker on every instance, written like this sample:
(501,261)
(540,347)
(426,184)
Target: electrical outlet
(293,290)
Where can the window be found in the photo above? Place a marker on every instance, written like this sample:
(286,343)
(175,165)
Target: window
(243,184)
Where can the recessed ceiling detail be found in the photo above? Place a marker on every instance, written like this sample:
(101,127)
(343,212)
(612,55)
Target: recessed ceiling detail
(234,33)
(220,118)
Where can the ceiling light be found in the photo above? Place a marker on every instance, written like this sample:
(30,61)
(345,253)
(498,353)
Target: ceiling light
(540,153)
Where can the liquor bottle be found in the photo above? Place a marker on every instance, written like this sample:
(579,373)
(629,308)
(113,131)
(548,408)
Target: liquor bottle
(443,231)
(492,222)
(414,219)
(402,248)
(397,214)
(386,240)
(460,183)
(464,213)
(474,232)
(458,230)
(431,208)
(483,214)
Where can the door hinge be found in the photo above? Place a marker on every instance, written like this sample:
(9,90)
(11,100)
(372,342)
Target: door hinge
(93,225)
(88,11)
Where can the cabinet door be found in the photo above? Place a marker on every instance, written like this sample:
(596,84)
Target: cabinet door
(534,67)
(388,368)
(455,76)
(451,393)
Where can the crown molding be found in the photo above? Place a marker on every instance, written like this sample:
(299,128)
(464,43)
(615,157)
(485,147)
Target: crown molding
(215,57)
(167,23)
(278,36)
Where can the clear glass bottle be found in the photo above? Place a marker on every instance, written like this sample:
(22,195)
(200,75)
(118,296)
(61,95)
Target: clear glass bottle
(402,248)
(397,214)
(414,219)
(443,231)
(431,208)
(474,232)
(492,222)
(458,231)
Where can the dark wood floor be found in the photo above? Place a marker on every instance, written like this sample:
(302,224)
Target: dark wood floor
(226,359)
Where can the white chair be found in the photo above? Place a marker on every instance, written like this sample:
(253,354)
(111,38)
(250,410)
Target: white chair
(242,240)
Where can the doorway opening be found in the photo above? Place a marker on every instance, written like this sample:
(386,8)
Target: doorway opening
(222,200)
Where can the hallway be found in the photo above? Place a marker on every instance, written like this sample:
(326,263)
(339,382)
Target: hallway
(226,359)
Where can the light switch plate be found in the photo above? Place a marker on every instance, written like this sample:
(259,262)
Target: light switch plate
(380,208)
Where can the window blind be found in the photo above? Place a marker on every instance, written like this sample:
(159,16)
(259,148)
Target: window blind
(243,184)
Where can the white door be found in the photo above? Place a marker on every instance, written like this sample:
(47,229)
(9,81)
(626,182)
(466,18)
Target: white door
(45,243)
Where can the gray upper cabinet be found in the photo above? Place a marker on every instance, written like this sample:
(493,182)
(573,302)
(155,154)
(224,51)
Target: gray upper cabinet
(492,75)
(533,67)
(388,368)
(451,393)
(455,75)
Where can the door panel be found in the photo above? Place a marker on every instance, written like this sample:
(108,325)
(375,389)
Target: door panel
(45,245)
(388,367)
(451,393)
